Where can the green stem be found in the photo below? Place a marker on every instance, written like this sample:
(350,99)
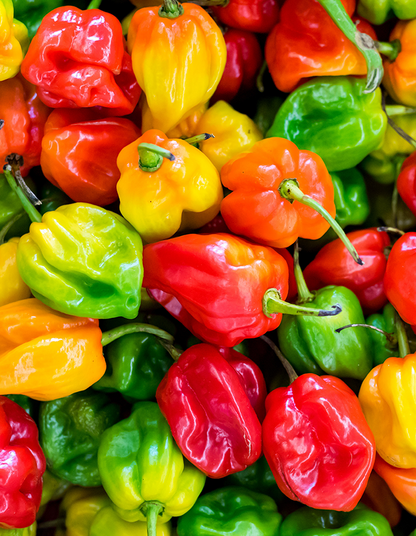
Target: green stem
(397,109)
(273,304)
(391,337)
(391,50)
(404,348)
(304,295)
(33,214)
(363,42)
(94,4)
(151,156)
(259,79)
(170,9)
(289,189)
(286,365)
(151,510)
(127,329)
(6,228)
(198,138)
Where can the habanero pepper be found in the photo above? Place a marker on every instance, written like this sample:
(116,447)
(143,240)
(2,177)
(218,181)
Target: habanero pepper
(13,41)
(378,11)
(12,285)
(257,16)
(386,321)
(406,182)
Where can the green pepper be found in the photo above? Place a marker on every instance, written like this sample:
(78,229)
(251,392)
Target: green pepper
(378,11)
(54,488)
(70,432)
(28,531)
(28,404)
(333,117)
(143,471)
(382,350)
(350,197)
(256,477)
(359,522)
(231,511)
(11,211)
(267,108)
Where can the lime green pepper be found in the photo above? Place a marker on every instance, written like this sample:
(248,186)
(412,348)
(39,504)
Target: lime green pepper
(53,488)
(382,350)
(231,511)
(333,117)
(143,471)
(378,11)
(359,522)
(28,531)
(70,433)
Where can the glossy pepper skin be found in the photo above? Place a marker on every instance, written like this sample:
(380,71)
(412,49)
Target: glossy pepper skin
(22,465)
(399,74)
(311,344)
(306,42)
(28,405)
(385,321)
(317,442)
(334,118)
(88,66)
(181,195)
(333,266)
(350,197)
(257,16)
(79,153)
(71,261)
(378,11)
(24,116)
(406,182)
(70,433)
(139,462)
(216,428)
(231,510)
(244,59)
(189,50)
(234,133)
(45,354)
(12,285)
(182,272)
(399,281)
(257,210)
(309,522)
(13,41)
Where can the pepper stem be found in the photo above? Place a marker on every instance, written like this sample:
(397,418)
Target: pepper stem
(198,138)
(362,41)
(94,4)
(33,214)
(273,303)
(391,337)
(391,50)
(6,228)
(259,79)
(151,510)
(304,295)
(391,230)
(286,365)
(397,109)
(404,348)
(151,156)
(289,189)
(170,9)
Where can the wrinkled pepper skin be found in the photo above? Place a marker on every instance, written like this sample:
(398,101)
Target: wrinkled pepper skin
(406,182)
(244,59)
(139,462)
(311,344)
(257,16)
(334,118)
(350,197)
(181,195)
(378,11)
(178,62)
(306,43)
(182,272)
(24,116)
(309,522)
(45,354)
(79,153)
(399,280)
(256,209)
(388,399)
(234,133)
(71,261)
(317,442)
(13,41)
(385,321)
(216,428)
(334,266)
(13,288)
(70,433)
(400,75)
(22,465)
(88,71)
(231,510)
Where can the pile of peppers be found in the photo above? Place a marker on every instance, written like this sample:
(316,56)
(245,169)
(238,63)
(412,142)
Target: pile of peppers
(207,268)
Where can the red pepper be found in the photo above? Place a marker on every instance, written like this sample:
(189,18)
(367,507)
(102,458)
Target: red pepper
(406,182)
(318,443)
(209,413)
(24,116)
(22,464)
(79,153)
(244,60)
(399,279)
(214,284)
(334,266)
(257,16)
(77,59)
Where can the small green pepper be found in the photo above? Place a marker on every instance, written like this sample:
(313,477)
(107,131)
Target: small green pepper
(382,350)
(378,11)
(350,197)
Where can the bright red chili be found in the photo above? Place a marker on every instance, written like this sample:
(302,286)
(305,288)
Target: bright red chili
(257,16)
(406,182)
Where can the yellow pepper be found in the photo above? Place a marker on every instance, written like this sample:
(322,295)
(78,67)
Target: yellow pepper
(178,195)
(14,41)
(178,55)
(13,288)
(388,400)
(234,133)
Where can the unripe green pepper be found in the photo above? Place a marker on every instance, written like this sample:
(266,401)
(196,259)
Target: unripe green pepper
(385,320)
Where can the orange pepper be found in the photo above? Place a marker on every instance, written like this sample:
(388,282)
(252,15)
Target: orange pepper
(402,483)
(45,354)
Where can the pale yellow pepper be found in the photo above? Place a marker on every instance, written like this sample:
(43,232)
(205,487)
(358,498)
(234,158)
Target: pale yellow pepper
(12,286)
(14,41)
